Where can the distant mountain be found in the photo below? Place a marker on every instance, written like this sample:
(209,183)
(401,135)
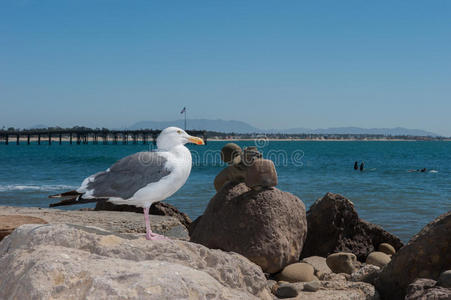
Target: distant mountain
(358,130)
(39,126)
(243,127)
(200,124)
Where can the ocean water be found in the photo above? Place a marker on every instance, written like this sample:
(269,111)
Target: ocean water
(385,193)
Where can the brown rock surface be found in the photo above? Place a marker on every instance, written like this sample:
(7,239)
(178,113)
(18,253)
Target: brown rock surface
(337,290)
(157,208)
(334,226)
(10,222)
(426,255)
(268,227)
(119,222)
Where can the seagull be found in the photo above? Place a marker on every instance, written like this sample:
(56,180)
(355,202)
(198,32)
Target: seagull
(142,178)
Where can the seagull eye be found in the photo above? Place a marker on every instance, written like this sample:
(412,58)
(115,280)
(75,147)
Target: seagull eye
(179,131)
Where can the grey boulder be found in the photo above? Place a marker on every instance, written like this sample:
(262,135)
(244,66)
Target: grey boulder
(62,261)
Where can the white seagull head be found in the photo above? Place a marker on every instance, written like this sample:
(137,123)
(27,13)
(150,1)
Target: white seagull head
(174,136)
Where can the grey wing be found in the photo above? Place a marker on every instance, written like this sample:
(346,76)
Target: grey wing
(128,175)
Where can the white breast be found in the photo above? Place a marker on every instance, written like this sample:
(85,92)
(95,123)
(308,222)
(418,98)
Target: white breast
(179,163)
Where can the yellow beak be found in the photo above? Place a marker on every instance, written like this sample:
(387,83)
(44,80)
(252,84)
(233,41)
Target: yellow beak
(196,140)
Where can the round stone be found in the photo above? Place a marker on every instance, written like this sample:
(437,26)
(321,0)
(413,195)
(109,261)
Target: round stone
(229,152)
(444,279)
(286,291)
(261,174)
(341,262)
(387,249)
(312,286)
(377,258)
(297,272)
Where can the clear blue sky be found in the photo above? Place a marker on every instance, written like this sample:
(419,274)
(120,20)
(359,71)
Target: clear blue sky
(274,64)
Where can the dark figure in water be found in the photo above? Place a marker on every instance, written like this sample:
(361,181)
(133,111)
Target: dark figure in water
(418,170)
(361,166)
(356,165)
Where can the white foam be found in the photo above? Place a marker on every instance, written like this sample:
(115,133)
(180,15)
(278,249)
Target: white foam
(29,187)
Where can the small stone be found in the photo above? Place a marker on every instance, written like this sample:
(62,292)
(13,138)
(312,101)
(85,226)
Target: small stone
(250,154)
(272,285)
(286,291)
(377,258)
(367,274)
(297,272)
(387,249)
(312,286)
(229,152)
(261,174)
(444,279)
(319,265)
(342,262)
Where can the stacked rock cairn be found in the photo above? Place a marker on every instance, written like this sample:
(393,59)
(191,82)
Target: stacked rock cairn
(246,166)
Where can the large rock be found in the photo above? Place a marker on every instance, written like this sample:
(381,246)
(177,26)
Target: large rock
(10,222)
(268,227)
(61,261)
(334,226)
(426,255)
(118,222)
(425,289)
(157,208)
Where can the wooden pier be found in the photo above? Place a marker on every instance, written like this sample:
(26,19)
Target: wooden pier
(81,137)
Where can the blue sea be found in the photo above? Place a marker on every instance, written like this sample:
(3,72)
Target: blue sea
(385,193)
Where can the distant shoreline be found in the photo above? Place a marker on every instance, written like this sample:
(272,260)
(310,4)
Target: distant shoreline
(55,140)
(324,140)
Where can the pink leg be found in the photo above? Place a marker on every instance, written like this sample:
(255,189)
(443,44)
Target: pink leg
(149,234)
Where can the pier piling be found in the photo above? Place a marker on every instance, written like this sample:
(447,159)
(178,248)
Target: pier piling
(85,135)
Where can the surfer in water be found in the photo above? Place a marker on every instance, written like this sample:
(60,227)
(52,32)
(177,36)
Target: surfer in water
(418,170)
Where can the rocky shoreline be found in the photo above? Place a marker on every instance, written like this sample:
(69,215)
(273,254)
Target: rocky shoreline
(103,254)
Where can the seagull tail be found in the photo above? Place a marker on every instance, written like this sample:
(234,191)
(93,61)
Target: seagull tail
(73,198)
(66,194)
